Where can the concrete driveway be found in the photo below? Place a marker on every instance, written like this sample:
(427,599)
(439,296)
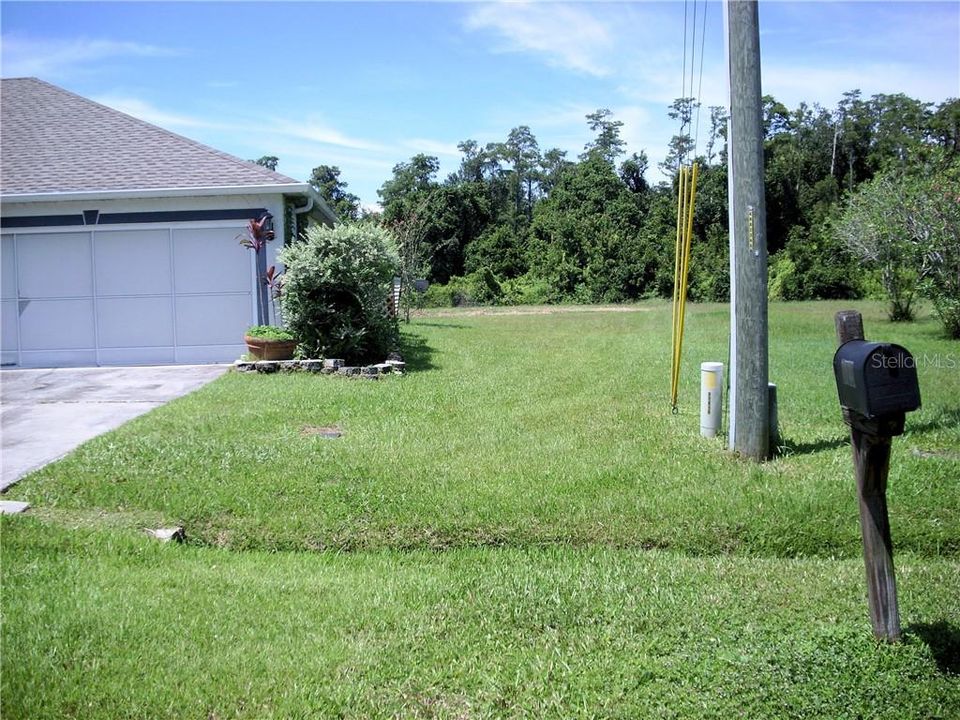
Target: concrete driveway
(45,414)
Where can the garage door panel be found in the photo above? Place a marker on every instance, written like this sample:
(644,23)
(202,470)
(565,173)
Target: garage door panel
(137,356)
(211,261)
(8,326)
(212,319)
(133,262)
(57,324)
(143,295)
(135,322)
(200,355)
(8,279)
(59,358)
(55,265)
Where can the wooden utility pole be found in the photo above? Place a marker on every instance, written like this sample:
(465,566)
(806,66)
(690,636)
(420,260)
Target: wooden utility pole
(749,423)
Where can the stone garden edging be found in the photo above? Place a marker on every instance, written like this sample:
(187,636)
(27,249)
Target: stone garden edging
(329,366)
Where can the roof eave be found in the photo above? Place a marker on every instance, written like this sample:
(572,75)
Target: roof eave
(304,189)
(319,203)
(205,191)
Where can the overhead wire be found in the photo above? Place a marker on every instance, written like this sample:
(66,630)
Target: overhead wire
(703,38)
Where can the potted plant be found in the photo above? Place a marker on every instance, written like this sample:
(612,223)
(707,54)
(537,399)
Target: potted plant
(269,342)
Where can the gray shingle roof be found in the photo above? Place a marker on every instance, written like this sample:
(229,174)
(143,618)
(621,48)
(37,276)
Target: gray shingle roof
(54,141)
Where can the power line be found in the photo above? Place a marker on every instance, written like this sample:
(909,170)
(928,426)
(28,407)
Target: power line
(683,75)
(703,38)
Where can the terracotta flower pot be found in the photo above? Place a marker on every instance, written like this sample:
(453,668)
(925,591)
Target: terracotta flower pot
(263,349)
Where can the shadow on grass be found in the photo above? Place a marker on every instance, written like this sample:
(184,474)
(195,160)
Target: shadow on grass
(417,354)
(946,418)
(943,639)
(444,326)
(792,447)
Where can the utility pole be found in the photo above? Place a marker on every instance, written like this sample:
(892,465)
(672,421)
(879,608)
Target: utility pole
(749,404)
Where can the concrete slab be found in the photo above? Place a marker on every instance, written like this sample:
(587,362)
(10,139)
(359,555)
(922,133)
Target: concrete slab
(12,507)
(44,414)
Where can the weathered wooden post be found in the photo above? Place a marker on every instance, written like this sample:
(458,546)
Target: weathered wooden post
(877,385)
(748,428)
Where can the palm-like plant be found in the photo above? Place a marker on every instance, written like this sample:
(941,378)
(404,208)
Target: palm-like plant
(257,235)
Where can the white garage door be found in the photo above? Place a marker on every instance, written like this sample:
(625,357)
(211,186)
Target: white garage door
(125,296)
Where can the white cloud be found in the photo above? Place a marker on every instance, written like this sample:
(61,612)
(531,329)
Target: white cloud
(566,36)
(151,114)
(794,83)
(31,57)
(319,132)
(432,147)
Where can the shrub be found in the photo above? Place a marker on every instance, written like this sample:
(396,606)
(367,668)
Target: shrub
(908,226)
(335,291)
(478,288)
(815,266)
(526,290)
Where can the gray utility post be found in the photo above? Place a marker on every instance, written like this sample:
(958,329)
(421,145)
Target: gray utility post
(749,424)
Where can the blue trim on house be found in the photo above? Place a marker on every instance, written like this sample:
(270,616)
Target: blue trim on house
(129,218)
(41,221)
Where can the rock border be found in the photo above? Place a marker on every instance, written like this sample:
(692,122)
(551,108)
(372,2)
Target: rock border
(328,366)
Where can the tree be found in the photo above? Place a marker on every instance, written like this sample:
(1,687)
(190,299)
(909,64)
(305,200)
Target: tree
(873,228)
(586,240)
(410,181)
(523,152)
(718,131)
(934,224)
(945,126)
(414,253)
(608,143)
(908,226)
(325,179)
(901,127)
(681,145)
(552,164)
(632,171)
(268,161)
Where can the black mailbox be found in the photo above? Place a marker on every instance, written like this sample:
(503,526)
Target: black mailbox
(876,380)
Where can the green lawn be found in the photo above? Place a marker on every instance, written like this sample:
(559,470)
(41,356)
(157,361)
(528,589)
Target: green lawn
(516,527)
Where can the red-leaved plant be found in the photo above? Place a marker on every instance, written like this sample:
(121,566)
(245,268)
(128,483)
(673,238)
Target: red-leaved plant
(256,237)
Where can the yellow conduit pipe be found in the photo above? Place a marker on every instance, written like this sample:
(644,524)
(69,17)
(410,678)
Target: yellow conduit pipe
(685,205)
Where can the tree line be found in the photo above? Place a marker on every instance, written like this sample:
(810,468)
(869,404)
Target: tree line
(517,223)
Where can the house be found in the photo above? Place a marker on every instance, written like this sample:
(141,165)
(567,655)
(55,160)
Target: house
(120,239)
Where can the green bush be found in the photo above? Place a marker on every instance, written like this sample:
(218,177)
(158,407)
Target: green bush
(814,265)
(526,290)
(457,292)
(478,288)
(335,290)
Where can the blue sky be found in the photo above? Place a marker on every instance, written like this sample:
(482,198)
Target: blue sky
(365,85)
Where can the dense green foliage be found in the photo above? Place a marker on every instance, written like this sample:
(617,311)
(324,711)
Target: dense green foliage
(325,179)
(595,230)
(517,527)
(907,227)
(335,289)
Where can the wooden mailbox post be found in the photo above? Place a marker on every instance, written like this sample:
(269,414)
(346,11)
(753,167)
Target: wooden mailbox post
(877,385)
